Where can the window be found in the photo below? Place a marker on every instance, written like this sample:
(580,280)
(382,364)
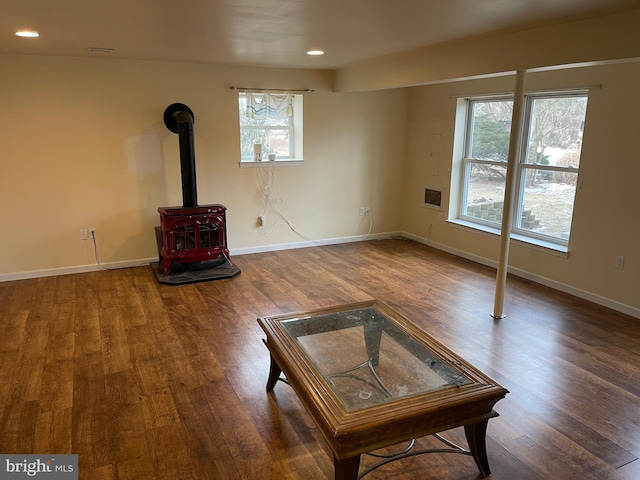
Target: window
(278,129)
(547,167)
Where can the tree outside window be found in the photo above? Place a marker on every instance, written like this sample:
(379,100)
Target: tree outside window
(547,165)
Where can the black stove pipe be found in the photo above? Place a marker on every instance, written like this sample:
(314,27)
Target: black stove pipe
(179,119)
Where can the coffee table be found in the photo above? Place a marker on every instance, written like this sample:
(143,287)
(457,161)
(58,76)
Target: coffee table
(370,379)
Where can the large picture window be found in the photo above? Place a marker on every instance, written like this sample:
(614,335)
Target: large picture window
(547,167)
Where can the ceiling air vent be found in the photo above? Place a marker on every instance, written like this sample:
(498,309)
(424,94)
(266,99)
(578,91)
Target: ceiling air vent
(432,197)
(100,51)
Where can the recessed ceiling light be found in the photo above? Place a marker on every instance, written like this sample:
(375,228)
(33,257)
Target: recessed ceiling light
(315,52)
(27,33)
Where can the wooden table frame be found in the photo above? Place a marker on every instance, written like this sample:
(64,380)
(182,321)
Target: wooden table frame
(352,433)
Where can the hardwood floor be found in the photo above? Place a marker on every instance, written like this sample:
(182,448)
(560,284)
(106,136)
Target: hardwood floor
(147,381)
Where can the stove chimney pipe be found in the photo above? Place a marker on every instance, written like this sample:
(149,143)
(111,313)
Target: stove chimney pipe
(179,119)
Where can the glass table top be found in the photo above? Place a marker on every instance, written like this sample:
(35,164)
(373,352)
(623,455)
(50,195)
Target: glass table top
(367,359)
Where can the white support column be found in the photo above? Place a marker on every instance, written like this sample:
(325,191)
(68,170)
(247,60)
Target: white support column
(515,141)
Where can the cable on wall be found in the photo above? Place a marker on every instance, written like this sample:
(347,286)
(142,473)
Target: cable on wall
(370,225)
(271,198)
(96,255)
(95,252)
(418,235)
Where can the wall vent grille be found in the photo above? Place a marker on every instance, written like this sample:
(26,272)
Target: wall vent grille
(432,197)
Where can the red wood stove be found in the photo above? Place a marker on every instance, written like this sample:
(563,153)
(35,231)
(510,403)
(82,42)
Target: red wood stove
(191,234)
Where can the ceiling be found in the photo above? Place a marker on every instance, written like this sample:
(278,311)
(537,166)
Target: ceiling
(271,32)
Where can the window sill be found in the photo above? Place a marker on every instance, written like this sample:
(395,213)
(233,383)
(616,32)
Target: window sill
(522,240)
(276,163)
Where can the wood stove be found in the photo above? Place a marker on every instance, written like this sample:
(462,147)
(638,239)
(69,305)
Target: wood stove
(195,236)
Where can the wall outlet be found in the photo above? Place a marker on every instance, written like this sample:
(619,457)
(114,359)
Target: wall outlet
(620,262)
(92,233)
(362,211)
(367,211)
(83,234)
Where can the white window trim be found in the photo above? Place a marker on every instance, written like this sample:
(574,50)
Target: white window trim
(521,236)
(525,241)
(275,163)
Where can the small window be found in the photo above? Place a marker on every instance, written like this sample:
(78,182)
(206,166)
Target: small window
(270,124)
(547,168)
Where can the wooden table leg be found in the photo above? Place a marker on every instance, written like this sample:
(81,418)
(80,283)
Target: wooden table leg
(274,374)
(476,437)
(346,469)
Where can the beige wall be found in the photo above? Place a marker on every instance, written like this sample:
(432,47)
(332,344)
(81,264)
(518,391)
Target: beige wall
(84,145)
(606,219)
(608,38)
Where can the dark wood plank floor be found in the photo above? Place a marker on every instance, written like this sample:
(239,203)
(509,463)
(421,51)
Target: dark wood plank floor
(147,381)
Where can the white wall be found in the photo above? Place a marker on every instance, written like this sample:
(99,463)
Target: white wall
(606,220)
(84,145)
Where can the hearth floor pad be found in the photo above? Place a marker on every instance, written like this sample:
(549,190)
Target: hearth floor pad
(181,273)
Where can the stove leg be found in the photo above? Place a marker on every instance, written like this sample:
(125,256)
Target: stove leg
(166,263)
(228,256)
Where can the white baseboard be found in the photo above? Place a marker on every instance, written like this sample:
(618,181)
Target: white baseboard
(592,297)
(577,292)
(309,243)
(52,272)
